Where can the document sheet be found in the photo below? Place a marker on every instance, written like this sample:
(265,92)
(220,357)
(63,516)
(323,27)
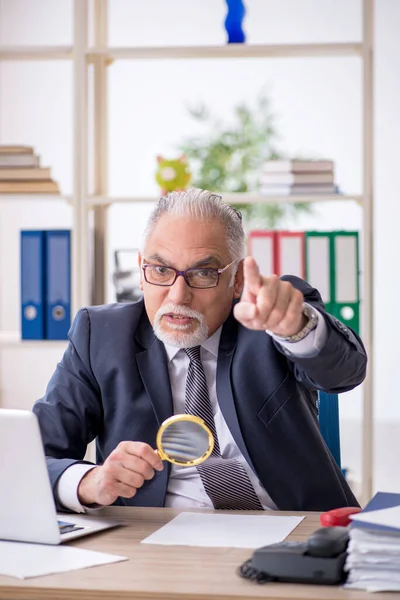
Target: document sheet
(233,531)
(22,560)
(388,517)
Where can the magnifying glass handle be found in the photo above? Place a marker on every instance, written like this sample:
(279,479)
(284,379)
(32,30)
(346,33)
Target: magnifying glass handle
(160,454)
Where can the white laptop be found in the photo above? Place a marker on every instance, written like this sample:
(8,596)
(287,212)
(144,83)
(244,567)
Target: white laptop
(27,509)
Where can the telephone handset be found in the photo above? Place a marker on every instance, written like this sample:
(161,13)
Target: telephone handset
(320,559)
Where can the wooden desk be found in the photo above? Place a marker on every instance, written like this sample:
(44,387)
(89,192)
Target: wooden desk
(167,572)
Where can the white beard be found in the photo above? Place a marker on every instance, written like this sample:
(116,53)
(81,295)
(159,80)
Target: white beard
(179,338)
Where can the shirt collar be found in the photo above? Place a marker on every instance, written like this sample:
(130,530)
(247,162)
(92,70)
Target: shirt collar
(211,344)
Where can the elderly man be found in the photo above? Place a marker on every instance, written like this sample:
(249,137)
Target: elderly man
(257,348)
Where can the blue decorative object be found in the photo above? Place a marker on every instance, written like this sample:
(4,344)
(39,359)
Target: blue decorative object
(233,21)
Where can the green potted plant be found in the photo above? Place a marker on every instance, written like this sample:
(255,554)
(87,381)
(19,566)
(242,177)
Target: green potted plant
(228,157)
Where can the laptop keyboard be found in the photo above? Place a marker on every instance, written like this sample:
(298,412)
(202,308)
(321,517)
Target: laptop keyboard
(66,527)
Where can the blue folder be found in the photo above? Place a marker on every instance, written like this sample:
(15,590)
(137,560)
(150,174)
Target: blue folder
(32,285)
(57,284)
(379,501)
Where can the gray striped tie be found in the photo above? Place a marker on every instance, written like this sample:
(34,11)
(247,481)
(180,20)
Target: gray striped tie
(225,480)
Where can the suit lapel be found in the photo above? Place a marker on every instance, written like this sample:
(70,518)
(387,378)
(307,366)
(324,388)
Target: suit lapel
(153,369)
(224,388)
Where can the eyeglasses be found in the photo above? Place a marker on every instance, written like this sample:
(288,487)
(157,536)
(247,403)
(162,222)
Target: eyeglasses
(201,278)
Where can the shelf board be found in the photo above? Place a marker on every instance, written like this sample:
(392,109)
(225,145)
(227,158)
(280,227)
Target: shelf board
(231,198)
(11,339)
(35,52)
(185,52)
(238,198)
(33,196)
(229,51)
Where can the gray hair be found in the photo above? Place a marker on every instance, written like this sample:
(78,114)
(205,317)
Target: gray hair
(202,205)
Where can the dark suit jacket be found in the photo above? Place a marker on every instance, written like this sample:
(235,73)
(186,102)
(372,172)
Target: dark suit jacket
(112,384)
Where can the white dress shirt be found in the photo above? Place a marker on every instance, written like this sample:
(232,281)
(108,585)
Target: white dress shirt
(185,488)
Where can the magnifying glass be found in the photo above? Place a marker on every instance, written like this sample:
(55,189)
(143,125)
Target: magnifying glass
(184,440)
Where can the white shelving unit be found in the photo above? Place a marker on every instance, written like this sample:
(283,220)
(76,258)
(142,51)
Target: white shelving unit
(238,198)
(101,56)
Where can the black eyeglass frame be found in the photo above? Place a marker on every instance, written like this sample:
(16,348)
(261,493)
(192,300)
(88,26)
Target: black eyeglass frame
(184,275)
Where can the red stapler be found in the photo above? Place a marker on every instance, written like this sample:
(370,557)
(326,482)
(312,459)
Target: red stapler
(338,516)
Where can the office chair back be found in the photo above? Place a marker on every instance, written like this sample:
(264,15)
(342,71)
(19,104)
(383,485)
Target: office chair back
(328,415)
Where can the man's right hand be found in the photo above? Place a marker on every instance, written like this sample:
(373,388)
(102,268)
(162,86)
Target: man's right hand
(122,474)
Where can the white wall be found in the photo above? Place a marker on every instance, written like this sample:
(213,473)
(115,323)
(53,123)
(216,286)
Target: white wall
(318,108)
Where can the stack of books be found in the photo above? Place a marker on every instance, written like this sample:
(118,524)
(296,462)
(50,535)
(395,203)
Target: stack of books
(295,177)
(373,559)
(21,173)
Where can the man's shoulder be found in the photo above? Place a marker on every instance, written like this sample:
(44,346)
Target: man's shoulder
(115,315)
(117,309)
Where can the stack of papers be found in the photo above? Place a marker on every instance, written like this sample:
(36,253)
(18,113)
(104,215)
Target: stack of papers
(373,560)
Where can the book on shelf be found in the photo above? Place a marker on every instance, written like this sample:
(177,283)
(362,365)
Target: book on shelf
(21,173)
(19,160)
(296,178)
(299,190)
(29,187)
(5,149)
(25,174)
(298,166)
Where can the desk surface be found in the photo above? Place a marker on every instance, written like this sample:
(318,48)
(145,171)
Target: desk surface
(167,572)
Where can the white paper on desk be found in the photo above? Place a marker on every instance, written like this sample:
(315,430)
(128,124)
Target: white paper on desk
(233,531)
(383,516)
(22,560)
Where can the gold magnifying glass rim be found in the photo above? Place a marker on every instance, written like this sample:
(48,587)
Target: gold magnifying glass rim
(178,418)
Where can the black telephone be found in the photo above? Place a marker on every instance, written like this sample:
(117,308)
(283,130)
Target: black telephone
(320,559)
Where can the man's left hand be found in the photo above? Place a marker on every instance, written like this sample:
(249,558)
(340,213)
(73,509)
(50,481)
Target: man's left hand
(267,303)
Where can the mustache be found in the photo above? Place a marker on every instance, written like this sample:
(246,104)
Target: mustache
(181,311)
